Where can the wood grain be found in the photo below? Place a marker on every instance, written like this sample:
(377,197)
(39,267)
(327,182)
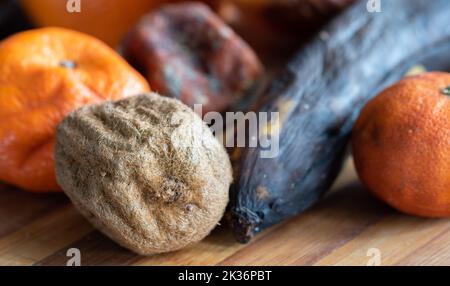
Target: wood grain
(24,207)
(39,229)
(340,230)
(44,236)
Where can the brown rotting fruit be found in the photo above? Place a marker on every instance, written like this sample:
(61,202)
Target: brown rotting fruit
(189,53)
(319,95)
(145,170)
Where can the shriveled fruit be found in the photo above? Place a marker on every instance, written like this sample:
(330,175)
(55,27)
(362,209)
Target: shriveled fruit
(401,145)
(188,53)
(144,170)
(44,75)
(318,97)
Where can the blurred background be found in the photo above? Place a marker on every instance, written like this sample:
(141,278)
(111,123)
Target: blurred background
(274,28)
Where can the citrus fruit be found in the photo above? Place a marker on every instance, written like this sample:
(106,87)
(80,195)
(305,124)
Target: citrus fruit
(107,20)
(45,74)
(401,145)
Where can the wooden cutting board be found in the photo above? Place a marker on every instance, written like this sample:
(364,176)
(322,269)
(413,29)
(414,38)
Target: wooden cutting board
(348,227)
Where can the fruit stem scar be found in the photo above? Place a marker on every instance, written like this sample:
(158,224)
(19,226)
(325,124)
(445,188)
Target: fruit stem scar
(446,91)
(68,64)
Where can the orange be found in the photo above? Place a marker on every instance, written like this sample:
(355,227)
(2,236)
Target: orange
(401,145)
(107,20)
(44,75)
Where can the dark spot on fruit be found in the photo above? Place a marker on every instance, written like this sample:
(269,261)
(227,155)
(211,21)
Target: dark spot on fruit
(446,91)
(68,64)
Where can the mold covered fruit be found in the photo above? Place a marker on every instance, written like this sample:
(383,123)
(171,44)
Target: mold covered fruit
(189,53)
(44,75)
(401,145)
(318,95)
(144,170)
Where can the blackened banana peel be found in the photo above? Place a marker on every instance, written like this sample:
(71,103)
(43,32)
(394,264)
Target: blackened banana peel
(356,56)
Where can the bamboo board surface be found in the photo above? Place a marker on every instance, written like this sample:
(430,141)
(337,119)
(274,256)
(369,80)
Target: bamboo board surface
(343,229)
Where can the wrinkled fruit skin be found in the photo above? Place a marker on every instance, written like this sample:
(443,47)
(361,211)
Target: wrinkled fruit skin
(144,170)
(44,75)
(188,53)
(319,102)
(401,145)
